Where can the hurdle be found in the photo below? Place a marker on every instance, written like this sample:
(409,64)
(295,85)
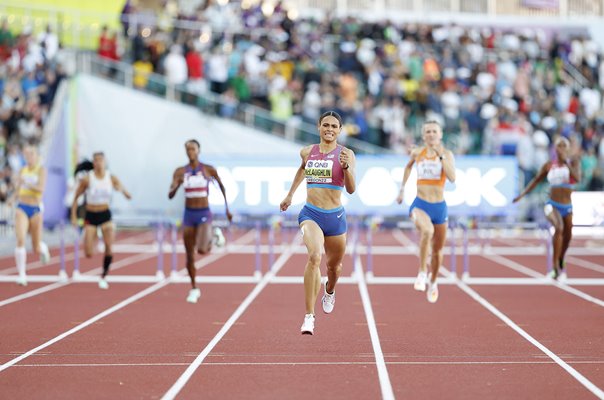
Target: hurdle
(485,232)
(373,224)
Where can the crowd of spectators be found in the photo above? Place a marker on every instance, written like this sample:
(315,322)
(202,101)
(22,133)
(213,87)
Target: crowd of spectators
(31,69)
(494,90)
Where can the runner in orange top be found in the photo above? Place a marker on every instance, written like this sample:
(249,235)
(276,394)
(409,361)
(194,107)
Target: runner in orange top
(435,165)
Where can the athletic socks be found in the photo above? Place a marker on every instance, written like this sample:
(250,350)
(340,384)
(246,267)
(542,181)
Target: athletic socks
(20,260)
(106,263)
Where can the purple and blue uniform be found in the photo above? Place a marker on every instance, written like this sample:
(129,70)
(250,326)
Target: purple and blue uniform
(196,185)
(323,171)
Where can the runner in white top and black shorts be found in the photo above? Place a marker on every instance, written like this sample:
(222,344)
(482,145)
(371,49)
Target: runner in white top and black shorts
(98,186)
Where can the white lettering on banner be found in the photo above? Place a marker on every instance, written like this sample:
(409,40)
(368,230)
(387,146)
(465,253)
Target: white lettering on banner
(378,186)
(279,184)
(471,188)
(252,178)
(230,186)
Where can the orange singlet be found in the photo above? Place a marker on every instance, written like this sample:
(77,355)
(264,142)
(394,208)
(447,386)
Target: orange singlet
(430,170)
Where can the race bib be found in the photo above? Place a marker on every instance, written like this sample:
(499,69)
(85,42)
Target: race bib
(429,169)
(319,171)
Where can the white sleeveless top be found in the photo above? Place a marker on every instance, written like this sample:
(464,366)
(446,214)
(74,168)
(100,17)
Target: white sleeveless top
(99,191)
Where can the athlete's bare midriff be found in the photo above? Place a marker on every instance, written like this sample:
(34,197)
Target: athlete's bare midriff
(197,202)
(324,198)
(431,193)
(561,195)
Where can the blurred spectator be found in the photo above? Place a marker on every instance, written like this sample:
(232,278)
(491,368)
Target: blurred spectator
(196,84)
(6,40)
(490,87)
(175,66)
(32,68)
(50,43)
(218,71)
(142,69)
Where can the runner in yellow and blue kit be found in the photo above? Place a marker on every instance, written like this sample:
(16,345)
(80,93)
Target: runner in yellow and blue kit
(28,216)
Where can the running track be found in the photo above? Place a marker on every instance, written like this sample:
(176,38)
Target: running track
(487,337)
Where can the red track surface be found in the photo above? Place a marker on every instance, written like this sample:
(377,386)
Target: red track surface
(456,348)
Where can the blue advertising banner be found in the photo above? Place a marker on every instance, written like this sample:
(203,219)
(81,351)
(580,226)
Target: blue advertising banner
(545,4)
(485,185)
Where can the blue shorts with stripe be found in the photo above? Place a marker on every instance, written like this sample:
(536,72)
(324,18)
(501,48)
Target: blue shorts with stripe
(563,209)
(30,211)
(332,222)
(196,216)
(438,212)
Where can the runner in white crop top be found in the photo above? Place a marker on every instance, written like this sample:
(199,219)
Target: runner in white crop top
(561,173)
(99,186)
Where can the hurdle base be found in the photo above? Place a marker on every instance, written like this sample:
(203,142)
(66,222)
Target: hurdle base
(465,276)
(63,277)
(258,275)
(174,275)
(160,275)
(76,275)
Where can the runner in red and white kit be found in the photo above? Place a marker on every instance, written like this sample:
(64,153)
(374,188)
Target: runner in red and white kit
(561,173)
(197,221)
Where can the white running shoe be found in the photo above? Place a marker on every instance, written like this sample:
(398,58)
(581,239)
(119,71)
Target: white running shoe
(103,284)
(432,293)
(328,300)
(308,326)
(44,253)
(194,295)
(22,281)
(218,238)
(420,281)
(562,276)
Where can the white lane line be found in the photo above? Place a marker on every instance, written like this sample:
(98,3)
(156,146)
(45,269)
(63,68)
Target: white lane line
(55,259)
(89,322)
(573,372)
(293,363)
(579,293)
(56,285)
(404,240)
(506,262)
(384,378)
(121,263)
(39,264)
(85,277)
(33,293)
(521,268)
(184,378)
(135,297)
(585,264)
